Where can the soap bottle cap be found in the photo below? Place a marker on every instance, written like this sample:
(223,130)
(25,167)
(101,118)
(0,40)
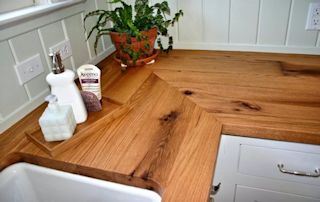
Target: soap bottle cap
(57,66)
(53,105)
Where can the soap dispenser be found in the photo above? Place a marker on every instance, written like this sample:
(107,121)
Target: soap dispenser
(62,85)
(57,122)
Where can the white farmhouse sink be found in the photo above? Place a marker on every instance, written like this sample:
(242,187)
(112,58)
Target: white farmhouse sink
(30,183)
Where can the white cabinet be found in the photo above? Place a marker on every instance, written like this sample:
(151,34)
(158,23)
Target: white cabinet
(249,171)
(249,194)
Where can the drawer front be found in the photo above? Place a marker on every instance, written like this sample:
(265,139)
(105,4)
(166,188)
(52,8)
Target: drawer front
(263,161)
(249,194)
(251,162)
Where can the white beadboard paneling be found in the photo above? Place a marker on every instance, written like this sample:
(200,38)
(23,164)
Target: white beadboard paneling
(25,46)
(190,25)
(244,21)
(274,18)
(77,39)
(297,35)
(12,94)
(248,47)
(173,31)
(52,34)
(216,20)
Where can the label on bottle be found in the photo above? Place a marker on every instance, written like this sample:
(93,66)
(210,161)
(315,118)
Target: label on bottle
(89,77)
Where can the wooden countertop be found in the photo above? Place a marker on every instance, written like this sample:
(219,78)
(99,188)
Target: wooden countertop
(175,111)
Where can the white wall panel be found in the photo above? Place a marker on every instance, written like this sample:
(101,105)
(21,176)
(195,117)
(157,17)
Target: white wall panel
(173,31)
(77,39)
(297,35)
(273,24)
(52,34)
(245,25)
(36,35)
(244,21)
(25,46)
(91,6)
(13,95)
(249,25)
(106,38)
(216,20)
(190,26)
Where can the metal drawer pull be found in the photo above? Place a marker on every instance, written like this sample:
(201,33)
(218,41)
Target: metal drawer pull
(301,173)
(213,191)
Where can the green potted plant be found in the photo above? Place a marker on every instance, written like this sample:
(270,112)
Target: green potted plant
(134,35)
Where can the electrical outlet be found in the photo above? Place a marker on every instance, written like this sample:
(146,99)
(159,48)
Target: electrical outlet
(64,47)
(313,20)
(29,68)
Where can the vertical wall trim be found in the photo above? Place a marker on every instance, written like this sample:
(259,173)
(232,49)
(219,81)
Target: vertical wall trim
(102,38)
(289,22)
(44,49)
(229,20)
(177,25)
(86,36)
(318,39)
(66,36)
(259,22)
(202,21)
(15,57)
(178,33)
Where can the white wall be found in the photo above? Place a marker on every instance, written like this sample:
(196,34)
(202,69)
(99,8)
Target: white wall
(31,36)
(249,25)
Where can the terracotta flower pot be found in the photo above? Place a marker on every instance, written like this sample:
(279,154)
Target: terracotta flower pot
(121,40)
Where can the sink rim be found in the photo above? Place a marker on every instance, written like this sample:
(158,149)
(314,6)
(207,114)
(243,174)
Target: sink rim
(15,168)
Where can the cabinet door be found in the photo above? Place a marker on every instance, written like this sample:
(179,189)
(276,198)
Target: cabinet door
(249,194)
(251,162)
(226,169)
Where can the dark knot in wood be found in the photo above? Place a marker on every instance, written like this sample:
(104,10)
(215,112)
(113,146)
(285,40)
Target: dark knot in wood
(187,92)
(170,117)
(247,105)
(291,69)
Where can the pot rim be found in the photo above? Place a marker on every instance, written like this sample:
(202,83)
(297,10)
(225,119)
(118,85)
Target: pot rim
(125,33)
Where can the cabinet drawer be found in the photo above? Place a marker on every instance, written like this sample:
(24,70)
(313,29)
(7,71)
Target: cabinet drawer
(263,161)
(244,163)
(249,194)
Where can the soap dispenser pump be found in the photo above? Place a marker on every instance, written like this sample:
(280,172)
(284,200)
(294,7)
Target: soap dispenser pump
(62,85)
(57,122)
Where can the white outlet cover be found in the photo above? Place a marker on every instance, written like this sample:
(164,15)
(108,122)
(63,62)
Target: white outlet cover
(64,47)
(29,68)
(313,19)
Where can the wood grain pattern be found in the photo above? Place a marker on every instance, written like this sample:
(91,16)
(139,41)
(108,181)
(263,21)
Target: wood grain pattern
(281,96)
(173,112)
(154,143)
(109,113)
